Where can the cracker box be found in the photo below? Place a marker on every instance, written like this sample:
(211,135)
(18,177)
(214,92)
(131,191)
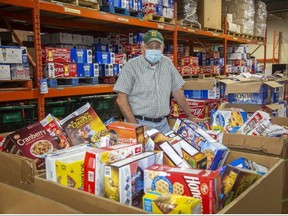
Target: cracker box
(51,158)
(227,121)
(70,170)
(84,126)
(171,157)
(57,69)
(52,54)
(96,159)
(124,179)
(256,124)
(190,154)
(235,181)
(158,203)
(32,141)
(216,152)
(124,132)
(198,108)
(202,184)
(53,127)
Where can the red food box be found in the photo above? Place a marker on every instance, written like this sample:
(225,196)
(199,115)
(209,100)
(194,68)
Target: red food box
(149,8)
(56,69)
(178,69)
(33,142)
(198,108)
(213,104)
(195,70)
(186,70)
(190,60)
(52,54)
(197,183)
(171,56)
(209,70)
(120,58)
(133,49)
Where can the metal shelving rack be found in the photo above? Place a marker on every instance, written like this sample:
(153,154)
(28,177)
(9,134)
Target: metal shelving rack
(38,15)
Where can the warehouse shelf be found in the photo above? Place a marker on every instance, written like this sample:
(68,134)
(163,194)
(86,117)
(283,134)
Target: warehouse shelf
(78,19)
(78,90)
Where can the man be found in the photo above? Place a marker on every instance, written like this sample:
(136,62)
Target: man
(145,84)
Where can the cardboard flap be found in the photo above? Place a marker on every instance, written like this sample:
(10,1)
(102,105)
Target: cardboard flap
(227,81)
(266,145)
(273,84)
(274,107)
(282,121)
(246,107)
(243,87)
(243,79)
(200,84)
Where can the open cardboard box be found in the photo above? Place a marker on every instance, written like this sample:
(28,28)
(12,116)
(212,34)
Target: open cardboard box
(17,201)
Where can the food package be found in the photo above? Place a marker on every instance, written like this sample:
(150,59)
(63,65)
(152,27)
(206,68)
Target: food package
(201,184)
(124,179)
(216,152)
(96,159)
(158,203)
(84,126)
(33,142)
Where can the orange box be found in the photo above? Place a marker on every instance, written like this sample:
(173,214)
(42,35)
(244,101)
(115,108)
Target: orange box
(124,132)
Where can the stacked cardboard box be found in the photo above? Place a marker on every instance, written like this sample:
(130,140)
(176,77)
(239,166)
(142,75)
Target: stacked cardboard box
(260,19)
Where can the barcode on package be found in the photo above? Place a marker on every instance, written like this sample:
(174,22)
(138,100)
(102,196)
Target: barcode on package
(108,171)
(91,176)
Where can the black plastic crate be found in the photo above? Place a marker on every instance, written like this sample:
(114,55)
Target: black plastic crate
(16,117)
(60,108)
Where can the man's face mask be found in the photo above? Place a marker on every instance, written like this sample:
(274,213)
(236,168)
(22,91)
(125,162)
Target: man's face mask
(153,55)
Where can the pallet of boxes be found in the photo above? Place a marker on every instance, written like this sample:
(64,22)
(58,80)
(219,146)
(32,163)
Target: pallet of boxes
(114,167)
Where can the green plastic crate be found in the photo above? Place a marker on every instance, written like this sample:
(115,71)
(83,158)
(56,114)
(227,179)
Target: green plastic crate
(60,108)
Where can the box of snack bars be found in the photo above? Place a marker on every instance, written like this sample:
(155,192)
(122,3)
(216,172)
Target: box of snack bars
(84,126)
(32,141)
(256,124)
(53,127)
(227,121)
(202,184)
(158,141)
(96,159)
(234,181)
(216,152)
(124,132)
(194,157)
(51,158)
(158,203)
(124,179)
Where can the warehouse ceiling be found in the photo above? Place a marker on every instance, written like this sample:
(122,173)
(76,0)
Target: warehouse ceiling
(277,8)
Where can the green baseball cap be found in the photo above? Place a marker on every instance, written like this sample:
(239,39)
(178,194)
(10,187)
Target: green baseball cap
(153,35)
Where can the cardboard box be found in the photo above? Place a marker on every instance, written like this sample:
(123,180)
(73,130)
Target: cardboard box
(201,89)
(11,54)
(17,201)
(126,133)
(20,71)
(124,180)
(52,54)
(209,13)
(57,69)
(81,56)
(5,72)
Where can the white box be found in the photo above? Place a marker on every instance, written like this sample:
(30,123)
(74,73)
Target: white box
(5,72)
(10,55)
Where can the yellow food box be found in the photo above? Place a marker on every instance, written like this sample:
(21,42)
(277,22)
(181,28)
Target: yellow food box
(158,203)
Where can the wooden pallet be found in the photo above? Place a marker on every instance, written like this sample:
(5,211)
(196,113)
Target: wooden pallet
(78,3)
(16,85)
(72,81)
(187,23)
(213,30)
(161,19)
(235,34)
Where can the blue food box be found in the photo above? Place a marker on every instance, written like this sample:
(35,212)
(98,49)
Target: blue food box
(117,69)
(84,69)
(81,55)
(138,38)
(216,152)
(95,70)
(104,57)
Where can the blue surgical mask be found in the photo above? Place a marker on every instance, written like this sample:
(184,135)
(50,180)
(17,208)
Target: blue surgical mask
(153,55)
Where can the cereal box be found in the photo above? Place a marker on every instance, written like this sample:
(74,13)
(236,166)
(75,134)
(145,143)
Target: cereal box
(158,141)
(216,152)
(158,203)
(84,126)
(53,127)
(195,158)
(32,141)
(96,159)
(70,170)
(227,121)
(50,159)
(256,124)
(124,179)
(124,132)
(202,184)
(235,181)
(198,108)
